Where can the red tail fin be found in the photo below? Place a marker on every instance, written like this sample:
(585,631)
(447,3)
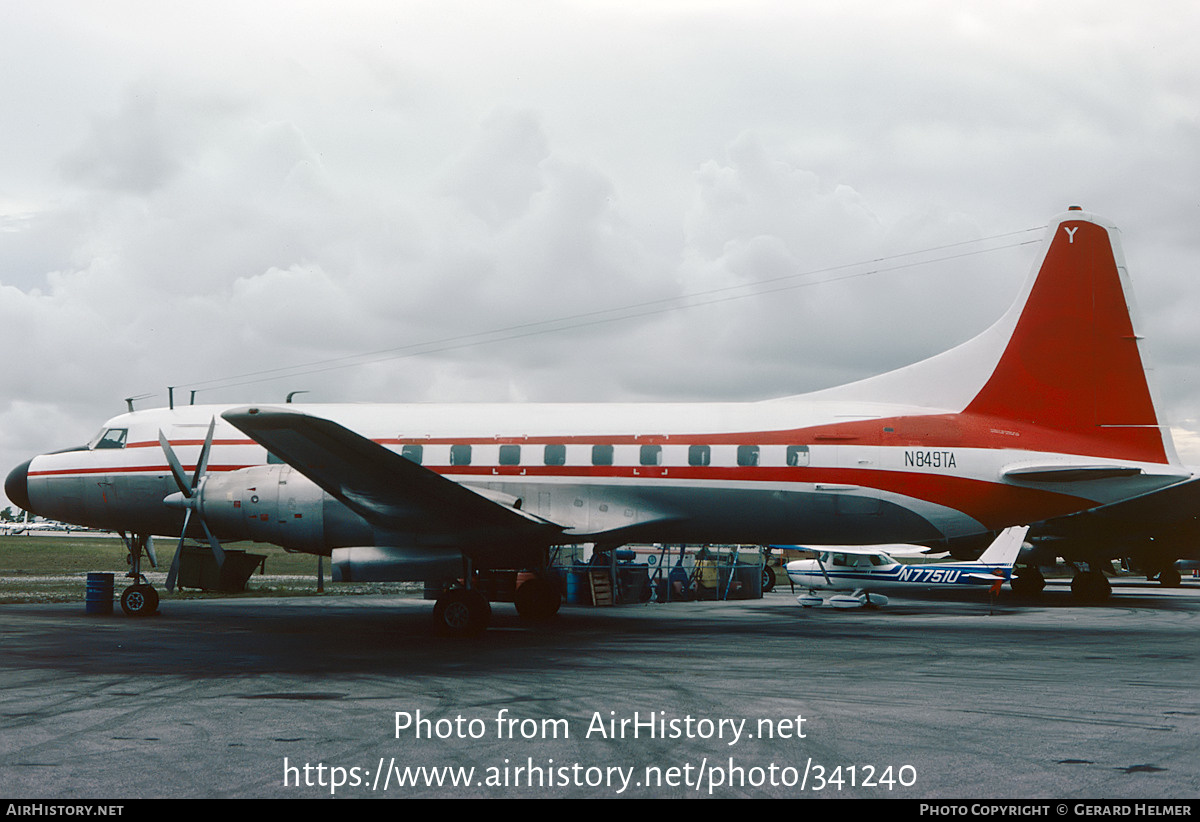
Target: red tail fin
(1073,362)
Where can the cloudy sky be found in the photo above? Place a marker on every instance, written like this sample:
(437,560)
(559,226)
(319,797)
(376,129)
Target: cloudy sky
(394,201)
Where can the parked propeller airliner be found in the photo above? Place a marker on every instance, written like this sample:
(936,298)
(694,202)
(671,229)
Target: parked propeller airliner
(1047,417)
(866,570)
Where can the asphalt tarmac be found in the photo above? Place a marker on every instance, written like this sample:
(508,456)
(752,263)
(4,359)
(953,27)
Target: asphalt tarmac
(354,697)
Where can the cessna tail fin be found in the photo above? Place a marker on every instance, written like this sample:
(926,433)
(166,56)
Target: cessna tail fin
(1006,547)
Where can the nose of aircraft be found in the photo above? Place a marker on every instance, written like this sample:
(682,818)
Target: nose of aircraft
(16,487)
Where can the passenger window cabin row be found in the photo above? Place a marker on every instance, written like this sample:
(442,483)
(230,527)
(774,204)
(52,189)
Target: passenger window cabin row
(604,455)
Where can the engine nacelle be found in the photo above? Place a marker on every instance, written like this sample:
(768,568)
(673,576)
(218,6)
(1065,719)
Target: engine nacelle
(377,563)
(277,504)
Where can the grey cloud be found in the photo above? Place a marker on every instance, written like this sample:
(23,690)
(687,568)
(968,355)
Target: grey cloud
(363,182)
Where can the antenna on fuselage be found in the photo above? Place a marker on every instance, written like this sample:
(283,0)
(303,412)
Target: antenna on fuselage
(291,394)
(129,401)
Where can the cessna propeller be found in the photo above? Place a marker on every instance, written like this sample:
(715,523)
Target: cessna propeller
(188,498)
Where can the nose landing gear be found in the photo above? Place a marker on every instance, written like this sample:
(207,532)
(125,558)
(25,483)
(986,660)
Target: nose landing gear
(140,599)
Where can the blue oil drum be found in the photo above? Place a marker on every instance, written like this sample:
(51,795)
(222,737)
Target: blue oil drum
(99,594)
(576,585)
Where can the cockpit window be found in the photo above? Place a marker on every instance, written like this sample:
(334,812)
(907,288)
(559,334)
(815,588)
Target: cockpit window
(111,438)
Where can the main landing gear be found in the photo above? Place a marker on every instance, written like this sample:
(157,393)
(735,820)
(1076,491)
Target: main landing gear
(461,612)
(1169,577)
(1028,582)
(140,599)
(465,610)
(1090,586)
(537,599)
(1164,571)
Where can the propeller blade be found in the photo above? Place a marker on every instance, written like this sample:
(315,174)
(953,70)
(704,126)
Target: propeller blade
(214,543)
(176,467)
(202,463)
(174,572)
(190,499)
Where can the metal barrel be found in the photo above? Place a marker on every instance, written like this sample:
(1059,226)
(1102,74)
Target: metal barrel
(99,595)
(576,583)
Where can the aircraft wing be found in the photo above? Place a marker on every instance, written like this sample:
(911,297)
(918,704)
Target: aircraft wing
(891,549)
(1167,519)
(375,482)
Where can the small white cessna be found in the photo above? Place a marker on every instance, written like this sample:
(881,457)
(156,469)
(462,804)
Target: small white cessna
(1046,417)
(864,570)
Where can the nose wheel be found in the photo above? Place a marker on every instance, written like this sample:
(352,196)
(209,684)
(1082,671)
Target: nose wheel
(139,599)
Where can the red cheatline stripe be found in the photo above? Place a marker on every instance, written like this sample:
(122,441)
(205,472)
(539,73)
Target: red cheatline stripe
(178,443)
(130,469)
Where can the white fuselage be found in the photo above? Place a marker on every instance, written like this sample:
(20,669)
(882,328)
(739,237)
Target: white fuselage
(778,471)
(880,572)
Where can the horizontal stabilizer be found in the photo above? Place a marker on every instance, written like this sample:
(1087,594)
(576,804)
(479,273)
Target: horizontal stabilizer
(1070,473)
